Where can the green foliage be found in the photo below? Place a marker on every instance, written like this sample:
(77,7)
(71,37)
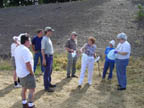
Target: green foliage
(140,13)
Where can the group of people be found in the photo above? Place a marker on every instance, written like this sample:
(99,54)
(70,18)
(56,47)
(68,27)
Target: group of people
(42,46)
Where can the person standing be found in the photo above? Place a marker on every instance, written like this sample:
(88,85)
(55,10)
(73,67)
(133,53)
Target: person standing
(36,47)
(109,63)
(47,54)
(122,52)
(71,47)
(24,70)
(88,59)
(13,47)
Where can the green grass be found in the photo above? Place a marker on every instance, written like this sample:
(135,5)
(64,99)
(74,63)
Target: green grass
(5,65)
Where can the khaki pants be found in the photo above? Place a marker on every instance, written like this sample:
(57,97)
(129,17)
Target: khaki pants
(71,66)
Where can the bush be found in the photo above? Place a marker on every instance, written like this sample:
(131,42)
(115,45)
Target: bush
(140,12)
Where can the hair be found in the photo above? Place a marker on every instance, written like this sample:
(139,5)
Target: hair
(92,39)
(24,38)
(38,31)
(47,31)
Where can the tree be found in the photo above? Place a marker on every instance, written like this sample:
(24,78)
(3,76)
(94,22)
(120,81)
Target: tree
(1,3)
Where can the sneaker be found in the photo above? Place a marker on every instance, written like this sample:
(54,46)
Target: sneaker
(68,76)
(52,86)
(121,89)
(74,76)
(17,86)
(25,105)
(32,106)
(79,86)
(49,90)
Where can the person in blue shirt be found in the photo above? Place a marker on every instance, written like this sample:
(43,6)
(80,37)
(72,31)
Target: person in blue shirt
(109,64)
(36,47)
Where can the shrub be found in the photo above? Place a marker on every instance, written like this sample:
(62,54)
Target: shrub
(140,12)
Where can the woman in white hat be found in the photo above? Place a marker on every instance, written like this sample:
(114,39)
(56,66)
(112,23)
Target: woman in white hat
(109,64)
(123,51)
(13,47)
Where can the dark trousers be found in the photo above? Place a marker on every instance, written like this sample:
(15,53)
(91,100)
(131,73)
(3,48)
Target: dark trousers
(36,58)
(108,65)
(48,71)
(121,66)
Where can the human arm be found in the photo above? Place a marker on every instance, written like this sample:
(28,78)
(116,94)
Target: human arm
(43,52)
(29,68)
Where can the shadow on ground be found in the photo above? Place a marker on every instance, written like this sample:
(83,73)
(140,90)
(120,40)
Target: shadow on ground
(6,90)
(74,98)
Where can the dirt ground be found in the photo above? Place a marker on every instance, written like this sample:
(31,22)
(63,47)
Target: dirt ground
(103,19)
(67,95)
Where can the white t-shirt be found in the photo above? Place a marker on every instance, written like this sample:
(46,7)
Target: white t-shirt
(22,56)
(13,47)
(123,47)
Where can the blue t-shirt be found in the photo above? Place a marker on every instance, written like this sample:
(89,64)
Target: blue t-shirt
(107,50)
(36,41)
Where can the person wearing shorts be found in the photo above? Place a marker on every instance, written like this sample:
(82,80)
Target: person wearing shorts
(13,47)
(24,70)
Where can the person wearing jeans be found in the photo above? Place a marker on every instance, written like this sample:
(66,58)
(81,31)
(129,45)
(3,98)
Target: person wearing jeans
(122,52)
(47,53)
(109,64)
(88,60)
(71,47)
(36,46)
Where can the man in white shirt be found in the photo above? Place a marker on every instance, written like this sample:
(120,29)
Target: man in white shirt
(24,70)
(13,47)
(122,52)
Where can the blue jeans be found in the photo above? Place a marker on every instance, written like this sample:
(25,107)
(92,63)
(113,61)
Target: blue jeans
(36,58)
(108,65)
(121,66)
(48,71)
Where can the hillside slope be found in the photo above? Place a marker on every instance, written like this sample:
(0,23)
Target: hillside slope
(100,18)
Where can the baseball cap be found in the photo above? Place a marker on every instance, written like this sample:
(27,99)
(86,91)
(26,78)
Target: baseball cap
(74,33)
(48,29)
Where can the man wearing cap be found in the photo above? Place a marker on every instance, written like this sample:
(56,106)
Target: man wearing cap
(47,53)
(13,47)
(71,47)
(36,46)
(122,52)
(24,70)
(108,63)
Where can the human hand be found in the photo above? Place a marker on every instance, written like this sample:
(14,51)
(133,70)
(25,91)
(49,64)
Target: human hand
(44,62)
(115,52)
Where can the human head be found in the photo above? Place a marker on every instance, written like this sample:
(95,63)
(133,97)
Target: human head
(15,39)
(74,35)
(122,37)
(25,40)
(91,40)
(112,43)
(40,33)
(48,31)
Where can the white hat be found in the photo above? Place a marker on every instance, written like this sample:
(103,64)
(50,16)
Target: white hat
(48,29)
(15,38)
(74,33)
(122,36)
(112,42)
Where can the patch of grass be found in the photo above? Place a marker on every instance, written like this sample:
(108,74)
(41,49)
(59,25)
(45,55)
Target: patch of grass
(5,65)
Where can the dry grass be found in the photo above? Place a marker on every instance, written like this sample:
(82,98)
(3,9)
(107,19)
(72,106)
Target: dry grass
(67,95)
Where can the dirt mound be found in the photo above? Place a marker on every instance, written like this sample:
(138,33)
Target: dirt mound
(100,18)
